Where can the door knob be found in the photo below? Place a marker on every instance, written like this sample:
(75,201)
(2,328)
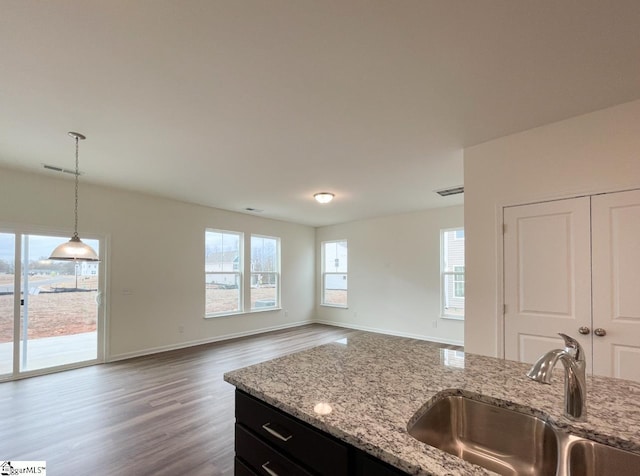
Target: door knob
(600,332)
(584,330)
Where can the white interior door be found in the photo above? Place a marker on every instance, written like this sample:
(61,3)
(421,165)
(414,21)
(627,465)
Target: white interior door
(616,284)
(547,269)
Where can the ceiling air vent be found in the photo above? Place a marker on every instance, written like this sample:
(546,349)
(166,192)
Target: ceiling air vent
(55,168)
(445,192)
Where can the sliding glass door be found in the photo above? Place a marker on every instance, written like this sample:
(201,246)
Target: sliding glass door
(55,320)
(8,308)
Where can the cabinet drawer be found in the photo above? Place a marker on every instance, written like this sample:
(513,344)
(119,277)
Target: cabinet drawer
(368,466)
(240,468)
(264,459)
(315,449)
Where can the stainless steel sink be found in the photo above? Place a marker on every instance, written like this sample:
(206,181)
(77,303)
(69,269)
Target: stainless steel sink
(501,440)
(513,443)
(589,458)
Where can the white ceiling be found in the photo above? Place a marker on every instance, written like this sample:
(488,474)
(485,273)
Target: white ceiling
(261,103)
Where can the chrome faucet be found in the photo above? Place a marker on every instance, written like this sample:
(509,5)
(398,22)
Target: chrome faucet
(575,383)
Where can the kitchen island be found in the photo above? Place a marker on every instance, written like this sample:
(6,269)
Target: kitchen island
(364,390)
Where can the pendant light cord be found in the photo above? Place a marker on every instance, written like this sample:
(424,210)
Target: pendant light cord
(75,225)
(75,250)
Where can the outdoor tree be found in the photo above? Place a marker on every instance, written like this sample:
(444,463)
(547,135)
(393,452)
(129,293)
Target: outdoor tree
(6,267)
(50,266)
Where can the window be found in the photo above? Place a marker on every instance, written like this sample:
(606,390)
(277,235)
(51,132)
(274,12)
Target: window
(458,281)
(452,271)
(334,273)
(265,272)
(227,273)
(223,272)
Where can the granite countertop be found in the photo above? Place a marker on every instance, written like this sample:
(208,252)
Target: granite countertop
(374,384)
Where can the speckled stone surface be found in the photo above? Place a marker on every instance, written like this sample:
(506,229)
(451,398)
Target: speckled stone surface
(375,384)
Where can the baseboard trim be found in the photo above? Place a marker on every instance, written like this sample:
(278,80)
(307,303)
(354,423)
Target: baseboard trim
(208,340)
(390,332)
(235,335)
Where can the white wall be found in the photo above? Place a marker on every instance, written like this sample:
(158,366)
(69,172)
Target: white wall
(592,153)
(394,275)
(156,250)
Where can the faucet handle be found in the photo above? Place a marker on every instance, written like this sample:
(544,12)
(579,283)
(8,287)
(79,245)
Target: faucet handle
(573,347)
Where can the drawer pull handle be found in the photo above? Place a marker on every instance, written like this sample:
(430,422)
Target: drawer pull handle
(267,428)
(269,471)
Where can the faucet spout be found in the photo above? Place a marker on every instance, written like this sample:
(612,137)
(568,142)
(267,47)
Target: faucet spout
(575,386)
(542,370)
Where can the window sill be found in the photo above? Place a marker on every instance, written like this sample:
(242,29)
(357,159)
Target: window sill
(242,313)
(453,318)
(227,314)
(264,309)
(335,305)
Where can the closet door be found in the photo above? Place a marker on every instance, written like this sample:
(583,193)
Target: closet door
(616,284)
(547,269)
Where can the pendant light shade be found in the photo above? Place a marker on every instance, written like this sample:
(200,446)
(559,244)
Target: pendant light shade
(75,249)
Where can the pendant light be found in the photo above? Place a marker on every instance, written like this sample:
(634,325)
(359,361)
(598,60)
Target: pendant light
(75,249)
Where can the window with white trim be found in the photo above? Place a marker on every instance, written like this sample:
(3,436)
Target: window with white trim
(265,272)
(452,273)
(223,272)
(458,281)
(334,273)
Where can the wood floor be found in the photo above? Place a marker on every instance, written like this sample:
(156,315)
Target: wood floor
(165,414)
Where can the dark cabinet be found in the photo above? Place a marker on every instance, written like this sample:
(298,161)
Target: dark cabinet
(264,458)
(287,437)
(272,443)
(368,466)
(241,469)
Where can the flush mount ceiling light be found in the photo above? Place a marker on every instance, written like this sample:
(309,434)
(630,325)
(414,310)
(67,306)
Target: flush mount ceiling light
(323,197)
(445,192)
(75,249)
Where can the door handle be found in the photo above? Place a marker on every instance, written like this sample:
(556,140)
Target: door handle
(600,332)
(584,330)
